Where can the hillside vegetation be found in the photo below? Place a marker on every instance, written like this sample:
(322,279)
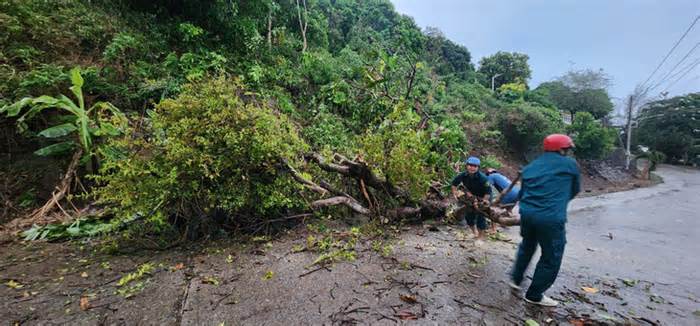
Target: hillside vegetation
(232,114)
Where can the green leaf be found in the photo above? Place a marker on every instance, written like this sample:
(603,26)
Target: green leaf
(58,131)
(111,153)
(55,149)
(76,78)
(629,282)
(32,234)
(107,129)
(15,108)
(531,322)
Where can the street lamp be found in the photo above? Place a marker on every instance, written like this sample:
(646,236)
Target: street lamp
(493,79)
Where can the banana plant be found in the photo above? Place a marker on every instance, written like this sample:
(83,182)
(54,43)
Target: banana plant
(100,119)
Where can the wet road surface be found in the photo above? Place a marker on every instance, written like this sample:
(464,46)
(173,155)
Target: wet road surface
(648,236)
(637,251)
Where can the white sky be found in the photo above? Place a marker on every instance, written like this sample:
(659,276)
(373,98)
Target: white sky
(627,38)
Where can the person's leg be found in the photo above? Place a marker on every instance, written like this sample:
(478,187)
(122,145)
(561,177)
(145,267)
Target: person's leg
(552,240)
(481,225)
(494,226)
(526,249)
(471,221)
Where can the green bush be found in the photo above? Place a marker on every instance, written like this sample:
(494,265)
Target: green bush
(206,150)
(490,161)
(399,152)
(328,130)
(525,126)
(593,141)
(45,79)
(511,92)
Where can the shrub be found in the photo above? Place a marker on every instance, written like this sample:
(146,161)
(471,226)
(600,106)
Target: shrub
(593,141)
(524,126)
(512,91)
(206,151)
(490,161)
(399,152)
(328,129)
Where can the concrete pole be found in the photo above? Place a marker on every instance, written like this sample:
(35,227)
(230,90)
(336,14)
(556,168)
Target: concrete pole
(628,152)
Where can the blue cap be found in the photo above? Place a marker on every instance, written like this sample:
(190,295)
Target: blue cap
(473,160)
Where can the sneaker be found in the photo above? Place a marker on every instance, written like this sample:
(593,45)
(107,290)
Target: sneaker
(546,301)
(514,286)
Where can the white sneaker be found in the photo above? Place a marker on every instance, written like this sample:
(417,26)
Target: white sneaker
(514,286)
(546,301)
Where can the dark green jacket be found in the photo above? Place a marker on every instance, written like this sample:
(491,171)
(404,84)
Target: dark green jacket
(549,183)
(476,183)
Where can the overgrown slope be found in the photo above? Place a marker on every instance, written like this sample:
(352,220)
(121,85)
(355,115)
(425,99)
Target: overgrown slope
(353,78)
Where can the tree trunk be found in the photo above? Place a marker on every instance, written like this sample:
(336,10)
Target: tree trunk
(303,23)
(269,29)
(429,208)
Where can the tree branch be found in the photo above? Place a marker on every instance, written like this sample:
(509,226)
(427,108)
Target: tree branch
(338,200)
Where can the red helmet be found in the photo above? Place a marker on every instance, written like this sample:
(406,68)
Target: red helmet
(555,142)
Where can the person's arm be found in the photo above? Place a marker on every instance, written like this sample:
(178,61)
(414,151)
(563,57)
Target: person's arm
(522,188)
(487,188)
(455,183)
(576,182)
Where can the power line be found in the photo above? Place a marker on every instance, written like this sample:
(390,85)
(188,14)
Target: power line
(672,49)
(674,68)
(681,77)
(685,68)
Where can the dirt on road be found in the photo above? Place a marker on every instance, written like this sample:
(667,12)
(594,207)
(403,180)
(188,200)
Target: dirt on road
(617,270)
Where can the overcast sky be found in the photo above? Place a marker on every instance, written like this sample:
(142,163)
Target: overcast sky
(627,38)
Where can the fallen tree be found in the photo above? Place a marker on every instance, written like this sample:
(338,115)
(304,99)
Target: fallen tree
(435,206)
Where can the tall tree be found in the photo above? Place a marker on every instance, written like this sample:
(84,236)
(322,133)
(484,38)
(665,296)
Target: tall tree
(672,126)
(581,91)
(303,23)
(511,67)
(447,56)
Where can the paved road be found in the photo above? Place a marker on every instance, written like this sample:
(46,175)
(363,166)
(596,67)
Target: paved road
(655,240)
(453,279)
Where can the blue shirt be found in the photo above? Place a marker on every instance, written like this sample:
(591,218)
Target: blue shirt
(549,183)
(501,182)
(476,183)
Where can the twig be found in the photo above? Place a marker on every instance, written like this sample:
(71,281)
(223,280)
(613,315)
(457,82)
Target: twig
(386,317)
(646,320)
(358,310)
(216,305)
(314,270)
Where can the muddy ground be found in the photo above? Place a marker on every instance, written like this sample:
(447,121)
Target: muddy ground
(639,267)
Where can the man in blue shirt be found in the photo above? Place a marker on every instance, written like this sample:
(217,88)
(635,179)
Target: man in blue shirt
(549,183)
(500,182)
(477,187)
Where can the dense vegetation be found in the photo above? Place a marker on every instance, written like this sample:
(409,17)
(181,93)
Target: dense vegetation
(672,127)
(225,99)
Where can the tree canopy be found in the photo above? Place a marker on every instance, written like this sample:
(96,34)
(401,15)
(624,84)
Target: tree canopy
(672,126)
(511,67)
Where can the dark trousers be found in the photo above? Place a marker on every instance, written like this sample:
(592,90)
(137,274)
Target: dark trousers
(551,237)
(474,218)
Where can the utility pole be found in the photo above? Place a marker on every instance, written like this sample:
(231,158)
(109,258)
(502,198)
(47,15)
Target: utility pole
(493,79)
(628,152)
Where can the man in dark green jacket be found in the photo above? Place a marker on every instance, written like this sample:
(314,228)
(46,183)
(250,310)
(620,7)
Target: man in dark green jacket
(549,183)
(476,187)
